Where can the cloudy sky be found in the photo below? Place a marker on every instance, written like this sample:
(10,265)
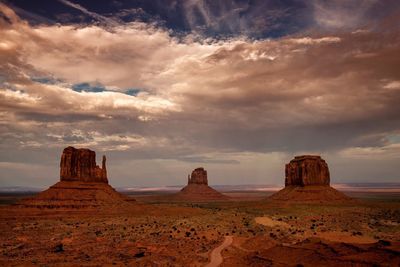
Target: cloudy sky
(236,86)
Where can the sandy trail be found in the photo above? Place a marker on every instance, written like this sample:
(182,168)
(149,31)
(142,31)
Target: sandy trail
(216,257)
(267,221)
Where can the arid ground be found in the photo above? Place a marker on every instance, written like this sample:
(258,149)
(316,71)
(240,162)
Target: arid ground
(248,230)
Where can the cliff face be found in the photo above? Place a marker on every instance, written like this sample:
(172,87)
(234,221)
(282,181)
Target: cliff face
(80,165)
(307,170)
(199,176)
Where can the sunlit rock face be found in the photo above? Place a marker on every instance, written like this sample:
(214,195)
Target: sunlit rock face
(307,170)
(80,165)
(199,176)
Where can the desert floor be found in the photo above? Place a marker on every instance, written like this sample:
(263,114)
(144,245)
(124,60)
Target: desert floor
(246,231)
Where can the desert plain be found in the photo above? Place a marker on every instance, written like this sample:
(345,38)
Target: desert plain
(154,231)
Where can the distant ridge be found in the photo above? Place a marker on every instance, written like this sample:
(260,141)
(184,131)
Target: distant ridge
(20,189)
(346,187)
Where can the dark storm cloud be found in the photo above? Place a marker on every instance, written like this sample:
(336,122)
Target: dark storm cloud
(213,18)
(256,18)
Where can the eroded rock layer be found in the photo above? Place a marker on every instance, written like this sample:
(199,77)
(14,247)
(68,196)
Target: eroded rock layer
(311,193)
(76,195)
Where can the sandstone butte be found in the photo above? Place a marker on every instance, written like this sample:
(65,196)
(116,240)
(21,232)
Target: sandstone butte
(80,165)
(83,184)
(307,178)
(197,188)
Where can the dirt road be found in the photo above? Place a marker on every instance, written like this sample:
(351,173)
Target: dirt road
(216,257)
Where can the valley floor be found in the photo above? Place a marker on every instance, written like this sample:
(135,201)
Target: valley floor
(255,232)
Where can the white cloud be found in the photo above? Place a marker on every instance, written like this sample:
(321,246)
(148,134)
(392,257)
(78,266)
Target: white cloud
(309,40)
(338,14)
(393,85)
(18,97)
(390,151)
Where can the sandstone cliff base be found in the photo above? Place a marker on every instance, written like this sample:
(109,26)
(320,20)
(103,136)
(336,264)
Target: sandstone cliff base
(199,193)
(76,195)
(311,193)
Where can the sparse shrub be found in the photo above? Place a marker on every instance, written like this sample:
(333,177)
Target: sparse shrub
(59,248)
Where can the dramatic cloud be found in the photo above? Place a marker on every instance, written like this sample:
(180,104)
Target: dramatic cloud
(240,105)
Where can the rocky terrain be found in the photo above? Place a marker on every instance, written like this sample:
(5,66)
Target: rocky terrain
(307,179)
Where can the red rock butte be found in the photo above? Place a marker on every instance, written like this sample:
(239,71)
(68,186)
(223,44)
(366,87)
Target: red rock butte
(80,165)
(199,176)
(197,189)
(307,179)
(83,184)
(307,170)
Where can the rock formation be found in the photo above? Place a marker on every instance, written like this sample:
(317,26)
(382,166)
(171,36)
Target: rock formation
(307,170)
(82,184)
(199,176)
(80,165)
(197,188)
(307,178)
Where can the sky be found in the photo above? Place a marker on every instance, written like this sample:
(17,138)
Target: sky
(238,87)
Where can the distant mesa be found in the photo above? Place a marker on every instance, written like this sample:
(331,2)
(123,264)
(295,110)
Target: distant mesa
(307,178)
(197,188)
(199,176)
(82,184)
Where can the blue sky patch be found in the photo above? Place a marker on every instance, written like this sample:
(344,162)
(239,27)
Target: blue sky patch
(133,91)
(394,139)
(223,18)
(87,87)
(45,80)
